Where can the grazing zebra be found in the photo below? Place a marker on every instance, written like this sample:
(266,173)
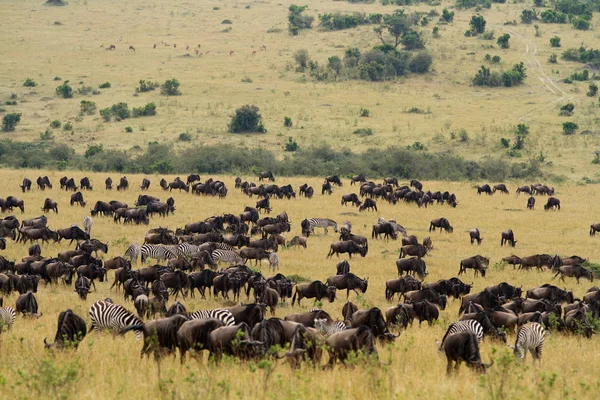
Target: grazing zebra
(329,328)
(230,256)
(469,325)
(107,315)
(87,224)
(225,246)
(132,253)
(221,314)
(322,223)
(529,337)
(186,250)
(157,251)
(7,318)
(274,261)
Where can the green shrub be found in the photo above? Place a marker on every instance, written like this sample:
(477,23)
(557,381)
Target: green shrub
(447,16)
(147,111)
(364,112)
(128,129)
(302,58)
(297,20)
(552,59)
(334,63)
(553,17)
(47,135)
(416,146)
(527,16)
(555,41)
(580,76)
(93,149)
(580,23)
(436,32)
(247,119)
(117,111)
(10,102)
(105,85)
(226,22)
(246,80)
(55,124)
(505,142)
(569,128)
(463,136)
(65,91)
(185,137)
(338,21)
(287,122)
(170,88)
(29,83)
(412,41)
(87,107)
(503,41)
(512,77)
(85,90)
(487,35)
(291,145)
(68,126)
(363,132)
(10,121)
(57,78)
(567,110)
(593,90)
(421,62)
(539,3)
(147,86)
(477,24)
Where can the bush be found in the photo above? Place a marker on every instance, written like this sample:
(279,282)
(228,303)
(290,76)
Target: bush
(412,41)
(117,111)
(29,83)
(447,16)
(85,90)
(552,59)
(364,112)
(65,91)
(247,119)
(68,126)
(226,22)
(287,122)
(55,124)
(555,41)
(147,86)
(569,128)
(147,111)
(505,142)
(47,135)
(580,76)
(87,107)
(334,63)
(580,23)
(436,32)
(170,88)
(105,85)
(553,17)
(185,137)
(338,21)
(10,121)
(128,129)
(503,41)
(567,110)
(477,24)
(291,145)
(93,149)
(593,90)
(363,132)
(421,62)
(512,77)
(527,16)
(463,136)
(298,21)
(302,58)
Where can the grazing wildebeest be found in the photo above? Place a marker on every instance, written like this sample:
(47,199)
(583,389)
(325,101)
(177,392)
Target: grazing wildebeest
(77,197)
(485,299)
(414,250)
(348,281)
(531,203)
(194,335)
(477,263)
(15,202)
(26,185)
(413,265)
(552,204)
(316,290)
(347,246)
(441,223)
(334,179)
(373,319)
(500,187)
(416,184)
(72,233)
(145,184)
(354,340)
(70,331)
(425,311)
(297,241)
(574,271)
(179,184)
(123,184)
(400,315)
(551,293)
(357,178)
(108,183)
(266,175)
(82,286)
(27,304)
(508,237)
(523,189)
(326,187)
(401,286)
(427,294)
(369,204)
(235,341)
(386,229)
(160,336)
(85,183)
(350,198)
(50,204)
(484,189)
(475,236)
(463,346)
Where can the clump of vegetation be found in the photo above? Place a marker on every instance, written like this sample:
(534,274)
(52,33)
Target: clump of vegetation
(87,107)
(170,88)
(297,20)
(68,126)
(552,59)
(105,85)
(128,129)
(494,59)
(65,91)
(46,135)
(226,22)
(29,83)
(509,78)
(528,16)
(582,55)
(117,111)
(338,21)
(569,128)
(247,119)
(302,58)
(10,102)
(553,17)
(505,142)
(447,16)
(503,41)
(436,32)
(592,90)
(363,132)
(57,78)
(85,90)
(10,121)
(146,86)
(287,122)
(567,110)
(555,41)
(521,132)
(291,145)
(185,137)
(147,111)
(364,112)
(477,25)
(580,23)
(55,124)
(246,80)
(580,76)
(93,149)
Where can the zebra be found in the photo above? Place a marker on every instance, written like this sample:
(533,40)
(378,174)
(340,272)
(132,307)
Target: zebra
(225,246)
(274,261)
(87,224)
(157,251)
(107,315)
(221,314)
(529,337)
(186,250)
(392,222)
(329,328)
(469,325)
(346,226)
(322,223)
(230,256)
(7,318)
(132,253)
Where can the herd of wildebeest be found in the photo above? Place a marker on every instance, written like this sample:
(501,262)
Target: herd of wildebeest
(189,258)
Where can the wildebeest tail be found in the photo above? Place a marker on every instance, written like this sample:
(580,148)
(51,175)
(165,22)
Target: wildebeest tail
(294,298)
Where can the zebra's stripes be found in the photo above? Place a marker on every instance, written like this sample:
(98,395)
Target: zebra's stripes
(132,253)
(106,315)
(87,224)
(221,314)
(329,328)
(469,325)
(7,318)
(157,251)
(274,261)
(186,250)
(530,337)
(229,256)
(225,246)
(322,223)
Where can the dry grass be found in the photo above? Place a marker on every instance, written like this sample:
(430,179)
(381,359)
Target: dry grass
(104,367)
(212,85)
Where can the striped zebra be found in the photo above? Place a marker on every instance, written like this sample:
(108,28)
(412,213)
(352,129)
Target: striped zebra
(529,337)
(221,314)
(186,250)
(274,261)
(230,256)
(157,251)
(132,253)
(225,246)
(469,325)
(107,315)
(322,223)
(329,328)
(87,224)
(7,318)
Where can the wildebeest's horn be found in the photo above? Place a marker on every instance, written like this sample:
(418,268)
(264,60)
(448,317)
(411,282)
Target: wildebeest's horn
(489,365)
(45,341)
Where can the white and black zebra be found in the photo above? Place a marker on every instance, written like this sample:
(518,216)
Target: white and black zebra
(7,318)
(322,223)
(186,250)
(157,251)
(329,328)
(132,253)
(469,325)
(106,315)
(229,256)
(273,261)
(221,314)
(87,224)
(530,337)
(225,246)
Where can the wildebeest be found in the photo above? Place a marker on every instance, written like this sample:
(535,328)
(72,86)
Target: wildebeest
(348,281)
(413,265)
(160,336)
(108,183)
(70,331)
(123,184)
(427,294)
(369,204)
(508,237)
(347,246)
(416,184)
(552,204)
(194,335)
(484,189)
(235,341)
(373,319)
(415,250)
(500,187)
(531,203)
(425,311)
(82,286)
(49,205)
(475,236)
(523,189)
(486,299)
(441,223)
(574,271)
(550,292)
(341,344)
(266,175)
(386,229)
(316,290)
(463,347)
(72,233)
(12,201)
(594,228)
(400,286)
(477,263)
(350,198)
(27,305)
(357,178)
(77,197)
(343,267)
(145,184)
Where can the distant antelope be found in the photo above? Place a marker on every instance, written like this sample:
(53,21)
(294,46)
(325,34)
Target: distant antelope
(102,45)
(197,51)
(253,52)
(131,48)
(187,47)
(174,45)
(263,47)
(154,45)
(230,52)
(112,47)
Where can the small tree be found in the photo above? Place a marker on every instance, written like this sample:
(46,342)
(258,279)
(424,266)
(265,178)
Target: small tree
(567,110)
(29,83)
(302,58)
(247,119)
(55,124)
(527,16)
(335,64)
(552,59)
(569,127)
(87,107)
(593,90)
(503,41)
(477,24)
(421,62)
(65,91)
(10,121)
(447,16)
(287,122)
(297,20)
(291,145)
(170,88)
(105,85)
(555,41)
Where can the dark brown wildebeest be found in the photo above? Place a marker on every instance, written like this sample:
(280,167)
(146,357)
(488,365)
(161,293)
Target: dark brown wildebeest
(343,267)
(12,201)
(177,281)
(26,283)
(574,271)
(475,236)
(577,322)
(531,203)
(70,331)
(266,175)
(485,299)
(412,266)
(373,319)
(316,290)
(478,263)
(160,336)
(523,189)
(309,192)
(484,189)
(385,229)
(84,183)
(552,204)
(141,305)
(415,250)
(508,237)
(326,188)
(427,294)
(505,290)
(551,293)
(360,240)
(195,178)
(401,286)
(412,239)
(334,179)
(157,305)
(264,204)
(145,184)
(308,318)
(26,185)
(256,254)
(416,184)
(512,260)
(441,223)
(108,183)
(50,204)
(27,305)
(400,315)
(500,187)
(353,340)
(350,198)
(72,233)
(463,347)
(306,344)
(348,281)
(425,311)
(82,286)
(537,260)
(102,207)
(194,335)
(594,228)
(297,241)
(123,184)
(347,246)
(369,204)
(234,341)
(179,184)
(164,184)
(357,178)
(77,198)
(34,234)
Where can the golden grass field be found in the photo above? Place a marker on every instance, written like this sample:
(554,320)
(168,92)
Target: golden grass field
(105,367)
(35,46)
